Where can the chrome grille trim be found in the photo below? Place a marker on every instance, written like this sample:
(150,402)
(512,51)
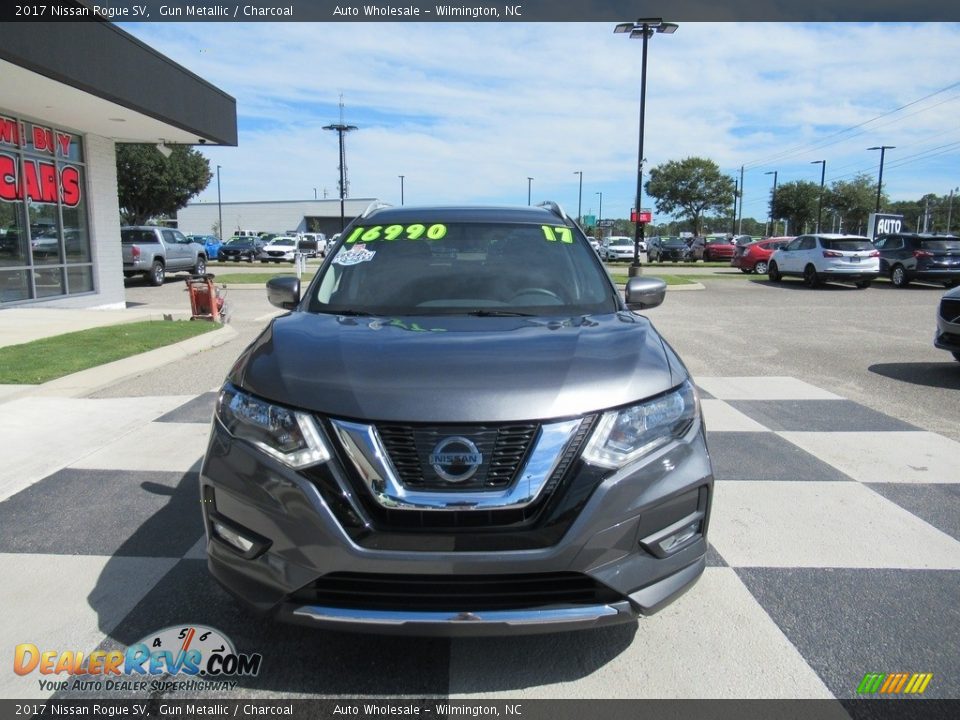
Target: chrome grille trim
(367,454)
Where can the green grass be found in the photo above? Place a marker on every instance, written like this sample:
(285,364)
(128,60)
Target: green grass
(256,278)
(621,278)
(49,358)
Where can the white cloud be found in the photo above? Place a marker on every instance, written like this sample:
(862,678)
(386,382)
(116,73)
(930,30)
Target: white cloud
(468,111)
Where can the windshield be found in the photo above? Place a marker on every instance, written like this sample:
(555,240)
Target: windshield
(282,241)
(673,241)
(463,268)
(240,241)
(622,242)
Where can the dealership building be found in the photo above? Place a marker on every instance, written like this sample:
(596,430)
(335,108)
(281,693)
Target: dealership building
(281,216)
(69,92)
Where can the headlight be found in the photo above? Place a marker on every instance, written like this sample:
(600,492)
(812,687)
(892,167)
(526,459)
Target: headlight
(289,436)
(625,435)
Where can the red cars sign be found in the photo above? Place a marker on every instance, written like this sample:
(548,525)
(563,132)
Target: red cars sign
(39,180)
(644,216)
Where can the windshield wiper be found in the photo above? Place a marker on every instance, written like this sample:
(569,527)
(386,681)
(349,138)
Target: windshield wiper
(350,313)
(498,313)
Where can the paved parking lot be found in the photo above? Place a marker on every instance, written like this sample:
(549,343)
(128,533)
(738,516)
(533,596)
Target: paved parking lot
(834,427)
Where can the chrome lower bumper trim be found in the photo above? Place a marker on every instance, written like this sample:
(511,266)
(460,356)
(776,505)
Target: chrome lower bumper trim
(394,618)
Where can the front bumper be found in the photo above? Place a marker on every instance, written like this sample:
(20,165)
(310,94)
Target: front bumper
(301,548)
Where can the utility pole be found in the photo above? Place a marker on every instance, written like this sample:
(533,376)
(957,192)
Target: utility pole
(341,128)
(740,212)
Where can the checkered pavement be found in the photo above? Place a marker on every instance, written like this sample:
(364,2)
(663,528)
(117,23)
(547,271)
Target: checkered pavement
(835,552)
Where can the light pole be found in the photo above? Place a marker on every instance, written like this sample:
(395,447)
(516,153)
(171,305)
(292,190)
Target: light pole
(823,175)
(219,207)
(882,149)
(600,213)
(773,199)
(529,185)
(643,29)
(401,188)
(579,197)
(950,208)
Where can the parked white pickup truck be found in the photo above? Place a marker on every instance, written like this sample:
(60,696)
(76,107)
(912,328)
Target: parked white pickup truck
(153,252)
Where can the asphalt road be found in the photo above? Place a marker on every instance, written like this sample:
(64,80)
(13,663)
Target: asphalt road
(873,346)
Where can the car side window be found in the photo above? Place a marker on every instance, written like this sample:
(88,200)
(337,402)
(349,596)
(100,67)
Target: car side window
(180,238)
(794,245)
(808,243)
(168,236)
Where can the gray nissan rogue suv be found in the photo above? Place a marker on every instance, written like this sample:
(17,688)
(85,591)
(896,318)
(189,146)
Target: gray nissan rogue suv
(459,428)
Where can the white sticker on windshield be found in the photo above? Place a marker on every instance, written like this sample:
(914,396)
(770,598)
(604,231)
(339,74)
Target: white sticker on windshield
(354,256)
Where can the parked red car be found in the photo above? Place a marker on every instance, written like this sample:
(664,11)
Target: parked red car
(753,257)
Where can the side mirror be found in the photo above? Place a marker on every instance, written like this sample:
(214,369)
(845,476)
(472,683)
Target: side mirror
(284,291)
(643,293)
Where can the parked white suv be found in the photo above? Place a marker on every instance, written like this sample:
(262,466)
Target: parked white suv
(819,258)
(281,249)
(619,247)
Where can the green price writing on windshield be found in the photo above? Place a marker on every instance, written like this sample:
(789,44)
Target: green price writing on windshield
(554,233)
(397,232)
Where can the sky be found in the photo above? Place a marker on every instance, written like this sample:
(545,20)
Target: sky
(468,112)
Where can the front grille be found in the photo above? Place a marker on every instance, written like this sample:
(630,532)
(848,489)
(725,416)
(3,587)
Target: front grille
(503,449)
(455,592)
(950,309)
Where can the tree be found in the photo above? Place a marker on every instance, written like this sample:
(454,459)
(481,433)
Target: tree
(853,201)
(150,184)
(691,186)
(796,202)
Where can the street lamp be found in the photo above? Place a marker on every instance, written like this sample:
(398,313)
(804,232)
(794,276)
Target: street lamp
(219,207)
(882,149)
(773,199)
(950,208)
(401,188)
(600,212)
(643,28)
(529,184)
(823,174)
(579,196)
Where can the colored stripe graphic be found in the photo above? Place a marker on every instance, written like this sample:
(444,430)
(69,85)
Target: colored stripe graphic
(894,683)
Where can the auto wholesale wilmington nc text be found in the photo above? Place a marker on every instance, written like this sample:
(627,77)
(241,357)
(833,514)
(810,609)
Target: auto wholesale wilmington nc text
(466,11)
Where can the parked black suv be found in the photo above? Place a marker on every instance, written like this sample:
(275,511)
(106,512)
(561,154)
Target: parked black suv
(917,256)
(496,442)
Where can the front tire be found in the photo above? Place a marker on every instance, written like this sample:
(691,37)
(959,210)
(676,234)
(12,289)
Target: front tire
(862,284)
(157,273)
(810,276)
(956,356)
(201,267)
(761,267)
(898,276)
(774,273)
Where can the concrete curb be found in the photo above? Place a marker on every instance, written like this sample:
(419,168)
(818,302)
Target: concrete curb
(93,379)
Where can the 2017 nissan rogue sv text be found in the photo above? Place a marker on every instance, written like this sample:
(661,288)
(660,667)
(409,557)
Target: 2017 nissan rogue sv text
(459,428)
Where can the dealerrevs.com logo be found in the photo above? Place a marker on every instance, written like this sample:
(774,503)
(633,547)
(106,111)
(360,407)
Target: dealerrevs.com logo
(191,657)
(894,683)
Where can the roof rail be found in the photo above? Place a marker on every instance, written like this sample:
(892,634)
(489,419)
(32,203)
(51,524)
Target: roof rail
(554,208)
(375,205)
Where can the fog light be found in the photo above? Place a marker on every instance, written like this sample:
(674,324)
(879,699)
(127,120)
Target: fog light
(675,537)
(673,542)
(232,537)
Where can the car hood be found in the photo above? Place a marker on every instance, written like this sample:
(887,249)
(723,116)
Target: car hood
(457,369)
